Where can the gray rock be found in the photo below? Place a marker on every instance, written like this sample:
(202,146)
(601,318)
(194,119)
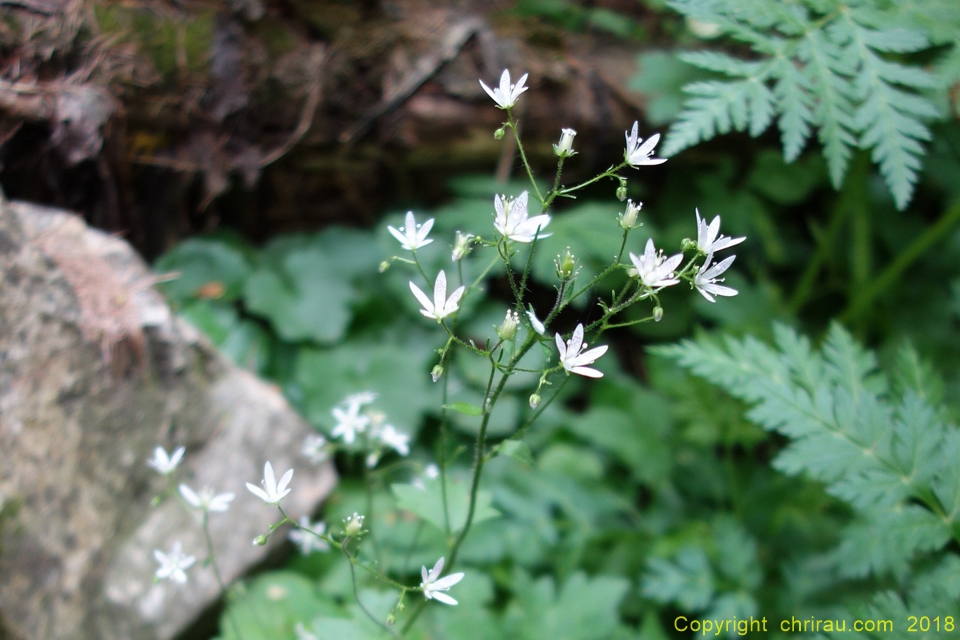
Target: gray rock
(95,372)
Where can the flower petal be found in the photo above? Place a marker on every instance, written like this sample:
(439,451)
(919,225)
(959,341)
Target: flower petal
(422,299)
(257,491)
(444,598)
(447,582)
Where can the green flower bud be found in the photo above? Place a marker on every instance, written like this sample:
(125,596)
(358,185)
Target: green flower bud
(436,372)
(384,265)
(499,133)
(622,193)
(353,526)
(391,620)
(657,314)
(566,266)
(534,400)
(259,541)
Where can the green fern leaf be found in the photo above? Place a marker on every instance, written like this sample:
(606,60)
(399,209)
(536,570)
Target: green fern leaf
(795,104)
(893,461)
(824,64)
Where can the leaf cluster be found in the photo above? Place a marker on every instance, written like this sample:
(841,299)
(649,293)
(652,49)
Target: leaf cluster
(879,445)
(847,69)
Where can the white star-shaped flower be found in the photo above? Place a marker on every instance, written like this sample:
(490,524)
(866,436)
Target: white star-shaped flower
(512,222)
(349,422)
(272,492)
(708,238)
(506,95)
(638,152)
(442,306)
(706,279)
(207,499)
(411,235)
(314,448)
(573,360)
(655,270)
(163,463)
(307,541)
(432,587)
(173,564)
(396,440)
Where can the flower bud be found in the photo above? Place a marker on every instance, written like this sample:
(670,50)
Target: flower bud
(353,526)
(259,541)
(391,620)
(384,265)
(566,266)
(657,314)
(628,219)
(461,246)
(565,147)
(534,400)
(622,190)
(499,133)
(508,329)
(436,372)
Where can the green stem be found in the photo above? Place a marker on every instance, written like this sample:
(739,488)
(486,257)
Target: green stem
(356,596)
(907,257)
(216,573)
(523,156)
(845,205)
(442,458)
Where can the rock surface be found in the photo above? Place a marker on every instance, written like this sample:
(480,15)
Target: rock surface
(95,372)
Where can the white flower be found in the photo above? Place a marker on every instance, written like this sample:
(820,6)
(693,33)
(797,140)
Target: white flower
(431,471)
(508,328)
(314,448)
(274,491)
(706,278)
(628,219)
(442,306)
(163,463)
(307,541)
(172,565)
(461,246)
(506,95)
(653,269)
(565,148)
(573,360)
(394,439)
(361,398)
(349,422)
(638,152)
(708,240)
(432,587)
(534,322)
(412,236)
(207,499)
(512,221)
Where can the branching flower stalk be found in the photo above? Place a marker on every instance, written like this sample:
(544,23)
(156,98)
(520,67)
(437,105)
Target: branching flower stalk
(364,432)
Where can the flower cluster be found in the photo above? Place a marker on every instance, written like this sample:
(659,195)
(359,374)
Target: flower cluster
(355,418)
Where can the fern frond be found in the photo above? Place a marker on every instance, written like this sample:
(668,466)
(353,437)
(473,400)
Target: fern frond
(823,64)
(893,461)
